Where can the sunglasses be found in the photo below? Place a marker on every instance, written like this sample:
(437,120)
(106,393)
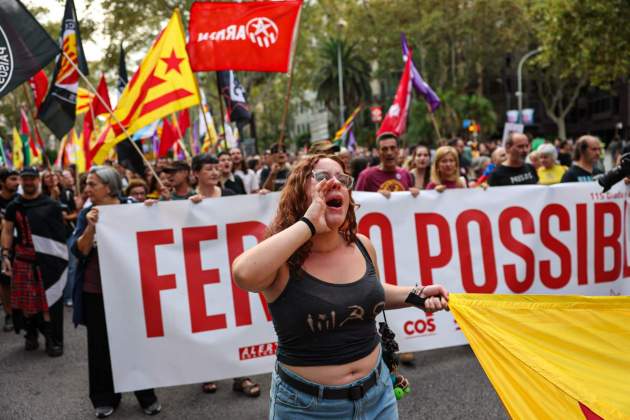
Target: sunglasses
(345,180)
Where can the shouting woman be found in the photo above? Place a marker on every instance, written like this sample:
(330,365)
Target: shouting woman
(321,282)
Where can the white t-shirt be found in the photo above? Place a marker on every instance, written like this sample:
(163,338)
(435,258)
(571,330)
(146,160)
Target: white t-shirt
(250,180)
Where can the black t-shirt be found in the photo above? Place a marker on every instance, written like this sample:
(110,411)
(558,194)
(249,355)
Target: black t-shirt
(67,200)
(237,185)
(509,175)
(281,178)
(577,174)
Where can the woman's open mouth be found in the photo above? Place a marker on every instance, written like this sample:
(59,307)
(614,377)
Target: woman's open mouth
(334,203)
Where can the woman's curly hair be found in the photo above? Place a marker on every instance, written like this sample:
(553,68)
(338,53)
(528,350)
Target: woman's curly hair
(294,203)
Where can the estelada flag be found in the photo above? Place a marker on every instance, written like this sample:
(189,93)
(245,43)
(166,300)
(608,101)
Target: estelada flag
(58,109)
(25,47)
(163,84)
(396,119)
(252,36)
(84,98)
(552,357)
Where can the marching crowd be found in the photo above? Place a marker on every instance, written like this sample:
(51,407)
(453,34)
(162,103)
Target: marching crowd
(57,210)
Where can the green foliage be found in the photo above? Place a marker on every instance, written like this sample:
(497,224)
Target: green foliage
(356,75)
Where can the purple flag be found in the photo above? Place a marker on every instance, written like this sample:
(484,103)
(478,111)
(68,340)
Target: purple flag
(351,144)
(419,85)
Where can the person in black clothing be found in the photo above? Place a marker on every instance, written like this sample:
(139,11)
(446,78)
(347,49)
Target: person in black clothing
(103,187)
(514,170)
(9,181)
(228,178)
(585,158)
(274,178)
(38,266)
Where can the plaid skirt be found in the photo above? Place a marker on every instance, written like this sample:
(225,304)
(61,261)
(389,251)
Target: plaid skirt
(27,288)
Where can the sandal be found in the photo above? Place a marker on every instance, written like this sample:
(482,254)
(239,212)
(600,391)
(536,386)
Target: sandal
(247,387)
(209,387)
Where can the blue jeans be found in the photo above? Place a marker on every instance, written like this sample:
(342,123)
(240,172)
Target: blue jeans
(291,404)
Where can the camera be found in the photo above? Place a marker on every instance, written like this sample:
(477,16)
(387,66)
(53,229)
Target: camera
(616,174)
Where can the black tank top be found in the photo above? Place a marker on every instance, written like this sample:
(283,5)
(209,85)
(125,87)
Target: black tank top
(320,323)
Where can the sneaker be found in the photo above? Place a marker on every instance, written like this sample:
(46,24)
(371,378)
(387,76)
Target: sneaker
(8,323)
(153,409)
(102,412)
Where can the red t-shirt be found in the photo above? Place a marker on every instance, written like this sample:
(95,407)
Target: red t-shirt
(375,179)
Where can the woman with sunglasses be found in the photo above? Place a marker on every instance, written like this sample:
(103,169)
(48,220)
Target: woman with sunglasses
(321,282)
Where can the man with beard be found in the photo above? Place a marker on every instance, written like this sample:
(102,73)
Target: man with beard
(514,170)
(9,181)
(387,177)
(37,271)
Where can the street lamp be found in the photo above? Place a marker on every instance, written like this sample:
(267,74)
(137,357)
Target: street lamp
(519,77)
(341,24)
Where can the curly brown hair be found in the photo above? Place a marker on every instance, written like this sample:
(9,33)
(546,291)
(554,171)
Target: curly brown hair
(294,203)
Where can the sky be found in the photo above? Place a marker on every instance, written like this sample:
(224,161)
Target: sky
(93,51)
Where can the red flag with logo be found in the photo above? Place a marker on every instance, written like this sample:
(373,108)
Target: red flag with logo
(396,119)
(252,36)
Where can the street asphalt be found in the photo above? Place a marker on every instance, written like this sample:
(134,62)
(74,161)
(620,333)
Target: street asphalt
(446,384)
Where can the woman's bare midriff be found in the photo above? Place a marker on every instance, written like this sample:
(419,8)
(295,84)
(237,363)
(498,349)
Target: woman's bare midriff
(338,374)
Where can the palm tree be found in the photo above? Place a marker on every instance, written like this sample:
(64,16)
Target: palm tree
(356,75)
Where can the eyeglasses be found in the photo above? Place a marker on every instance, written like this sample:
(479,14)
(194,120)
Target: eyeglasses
(345,180)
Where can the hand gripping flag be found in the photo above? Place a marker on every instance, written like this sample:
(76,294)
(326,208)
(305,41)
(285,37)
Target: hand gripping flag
(252,36)
(163,84)
(58,109)
(25,47)
(396,119)
(419,85)
(552,357)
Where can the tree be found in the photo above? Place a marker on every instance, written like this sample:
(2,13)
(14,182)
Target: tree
(584,43)
(355,72)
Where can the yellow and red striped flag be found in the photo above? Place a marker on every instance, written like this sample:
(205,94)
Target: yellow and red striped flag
(346,125)
(163,84)
(84,99)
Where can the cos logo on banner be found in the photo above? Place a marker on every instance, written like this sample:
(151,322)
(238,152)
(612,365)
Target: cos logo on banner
(420,327)
(6,61)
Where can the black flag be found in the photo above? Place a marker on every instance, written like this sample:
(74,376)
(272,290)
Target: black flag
(58,109)
(25,47)
(122,70)
(234,95)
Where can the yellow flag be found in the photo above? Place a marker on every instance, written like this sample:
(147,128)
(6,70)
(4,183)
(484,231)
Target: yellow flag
(552,357)
(163,84)
(18,153)
(78,152)
(84,98)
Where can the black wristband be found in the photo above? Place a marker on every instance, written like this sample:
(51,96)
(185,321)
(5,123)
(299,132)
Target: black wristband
(414,298)
(309,224)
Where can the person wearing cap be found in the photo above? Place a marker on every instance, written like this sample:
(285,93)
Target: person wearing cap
(274,177)
(387,177)
(9,181)
(38,268)
(323,147)
(179,174)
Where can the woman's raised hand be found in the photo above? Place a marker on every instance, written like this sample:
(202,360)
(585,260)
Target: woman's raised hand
(437,297)
(316,212)
(92,216)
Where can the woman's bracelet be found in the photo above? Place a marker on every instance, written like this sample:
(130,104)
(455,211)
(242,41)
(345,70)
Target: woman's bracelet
(309,224)
(415,299)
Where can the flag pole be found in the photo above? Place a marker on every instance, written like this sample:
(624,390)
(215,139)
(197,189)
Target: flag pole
(203,112)
(30,107)
(181,138)
(111,113)
(221,110)
(435,124)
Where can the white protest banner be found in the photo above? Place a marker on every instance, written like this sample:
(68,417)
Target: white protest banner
(174,316)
